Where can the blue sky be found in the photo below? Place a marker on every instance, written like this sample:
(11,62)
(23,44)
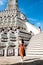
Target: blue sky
(33,9)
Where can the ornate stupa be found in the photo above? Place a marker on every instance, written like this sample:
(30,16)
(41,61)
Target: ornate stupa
(12,28)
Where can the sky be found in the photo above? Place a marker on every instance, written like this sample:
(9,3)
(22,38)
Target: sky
(33,9)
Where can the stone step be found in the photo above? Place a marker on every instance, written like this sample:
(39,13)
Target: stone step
(35,46)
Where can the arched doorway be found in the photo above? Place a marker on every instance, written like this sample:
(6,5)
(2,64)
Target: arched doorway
(10,51)
(1,51)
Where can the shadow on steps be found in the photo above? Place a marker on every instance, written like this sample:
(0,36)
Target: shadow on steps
(38,62)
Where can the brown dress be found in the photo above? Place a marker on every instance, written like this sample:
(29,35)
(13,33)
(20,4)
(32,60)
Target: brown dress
(21,50)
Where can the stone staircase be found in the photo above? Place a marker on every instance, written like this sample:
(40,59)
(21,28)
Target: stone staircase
(35,47)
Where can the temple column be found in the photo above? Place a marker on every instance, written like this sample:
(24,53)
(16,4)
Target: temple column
(5,52)
(16,49)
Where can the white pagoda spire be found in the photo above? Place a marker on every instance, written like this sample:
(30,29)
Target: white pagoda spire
(12,4)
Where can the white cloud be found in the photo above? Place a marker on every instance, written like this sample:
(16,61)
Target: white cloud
(32,19)
(1,2)
(38,24)
(35,20)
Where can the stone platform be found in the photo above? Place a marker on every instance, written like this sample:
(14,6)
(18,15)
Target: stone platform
(13,60)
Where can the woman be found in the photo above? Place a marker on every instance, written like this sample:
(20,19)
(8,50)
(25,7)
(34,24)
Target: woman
(21,49)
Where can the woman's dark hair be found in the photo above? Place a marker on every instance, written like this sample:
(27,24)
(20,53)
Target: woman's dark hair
(2,29)
(11,28)
(22,41)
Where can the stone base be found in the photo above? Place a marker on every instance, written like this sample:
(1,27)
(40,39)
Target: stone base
(9,52)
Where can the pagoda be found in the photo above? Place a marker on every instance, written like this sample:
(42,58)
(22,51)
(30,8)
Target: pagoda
(12,28)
